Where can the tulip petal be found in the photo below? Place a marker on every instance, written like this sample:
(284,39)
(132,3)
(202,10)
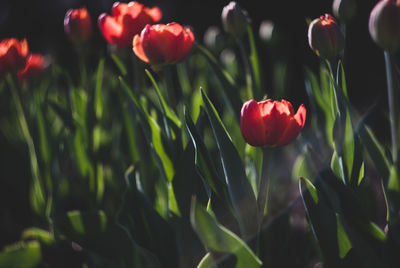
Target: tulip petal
(110,29)
(294,127)
(138,49)
(154,13)
(252,124)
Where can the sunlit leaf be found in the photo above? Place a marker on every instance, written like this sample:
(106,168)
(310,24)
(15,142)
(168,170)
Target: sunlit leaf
(218,238)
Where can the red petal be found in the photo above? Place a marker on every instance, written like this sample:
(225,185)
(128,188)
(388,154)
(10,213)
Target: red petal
(138,49)
(110,29)
(154,45)
(252,124)
(294,127)
(154,13)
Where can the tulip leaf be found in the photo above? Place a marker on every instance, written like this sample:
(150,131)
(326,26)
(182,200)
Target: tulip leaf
(40,235)
(98,96)
(254,61)
(95,232)
(146,226)
(375,150)
(207,262)
(21,254)
(187,182)
(340,224)
(155,133)
(231,94)
(203,160)
(240,190)
(166,110)
(119,64)
(217,238)
(344,243)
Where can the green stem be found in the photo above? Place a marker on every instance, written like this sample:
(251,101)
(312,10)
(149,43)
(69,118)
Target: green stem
(254,60)
(29,141)
(247,69)
(341,117)
(392,105)
(264,186)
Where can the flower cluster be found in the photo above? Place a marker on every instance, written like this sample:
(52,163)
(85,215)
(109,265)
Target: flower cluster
(15,58)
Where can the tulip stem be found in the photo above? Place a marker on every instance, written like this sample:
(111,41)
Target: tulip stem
(390,72)
(31,146)
(247,69)
(264,186)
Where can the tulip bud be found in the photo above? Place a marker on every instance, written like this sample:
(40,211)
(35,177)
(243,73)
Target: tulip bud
(325,37)
(344,9)
(271,123)
(214,38)
(78,25)
(234,19)
(384,24)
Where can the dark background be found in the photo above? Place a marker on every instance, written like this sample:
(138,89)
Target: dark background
(41,22)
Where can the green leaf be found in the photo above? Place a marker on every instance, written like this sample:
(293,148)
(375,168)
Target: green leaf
(219,239)
(147,227)
(375,150)
(255,64)
(311,189)
(344,243)
(41,235)
(119,64)
(240,191)
(96,233)
(166,110)
(98,96)
(203,161)
(155,134)
(21,254)
(206,262)
(231,95)
(394,180)
(187,182)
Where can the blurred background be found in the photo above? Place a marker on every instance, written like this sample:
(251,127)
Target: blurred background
(41,23)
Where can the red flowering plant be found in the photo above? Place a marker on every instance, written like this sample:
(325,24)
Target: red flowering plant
(145,172)
(127,20)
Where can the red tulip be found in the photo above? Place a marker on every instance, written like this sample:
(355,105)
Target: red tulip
(34,66)
(126,21)
(325,37)
(13,54)
(163,44)
(272,123)
(78,25)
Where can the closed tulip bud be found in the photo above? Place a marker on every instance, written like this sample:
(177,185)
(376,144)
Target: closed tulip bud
(344,9)
(271,123)
(234,19)
(384,24)
(127,20)
(78,25)
(163,44)
(34,67)
(214,38)
(325,37)
(13,54)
